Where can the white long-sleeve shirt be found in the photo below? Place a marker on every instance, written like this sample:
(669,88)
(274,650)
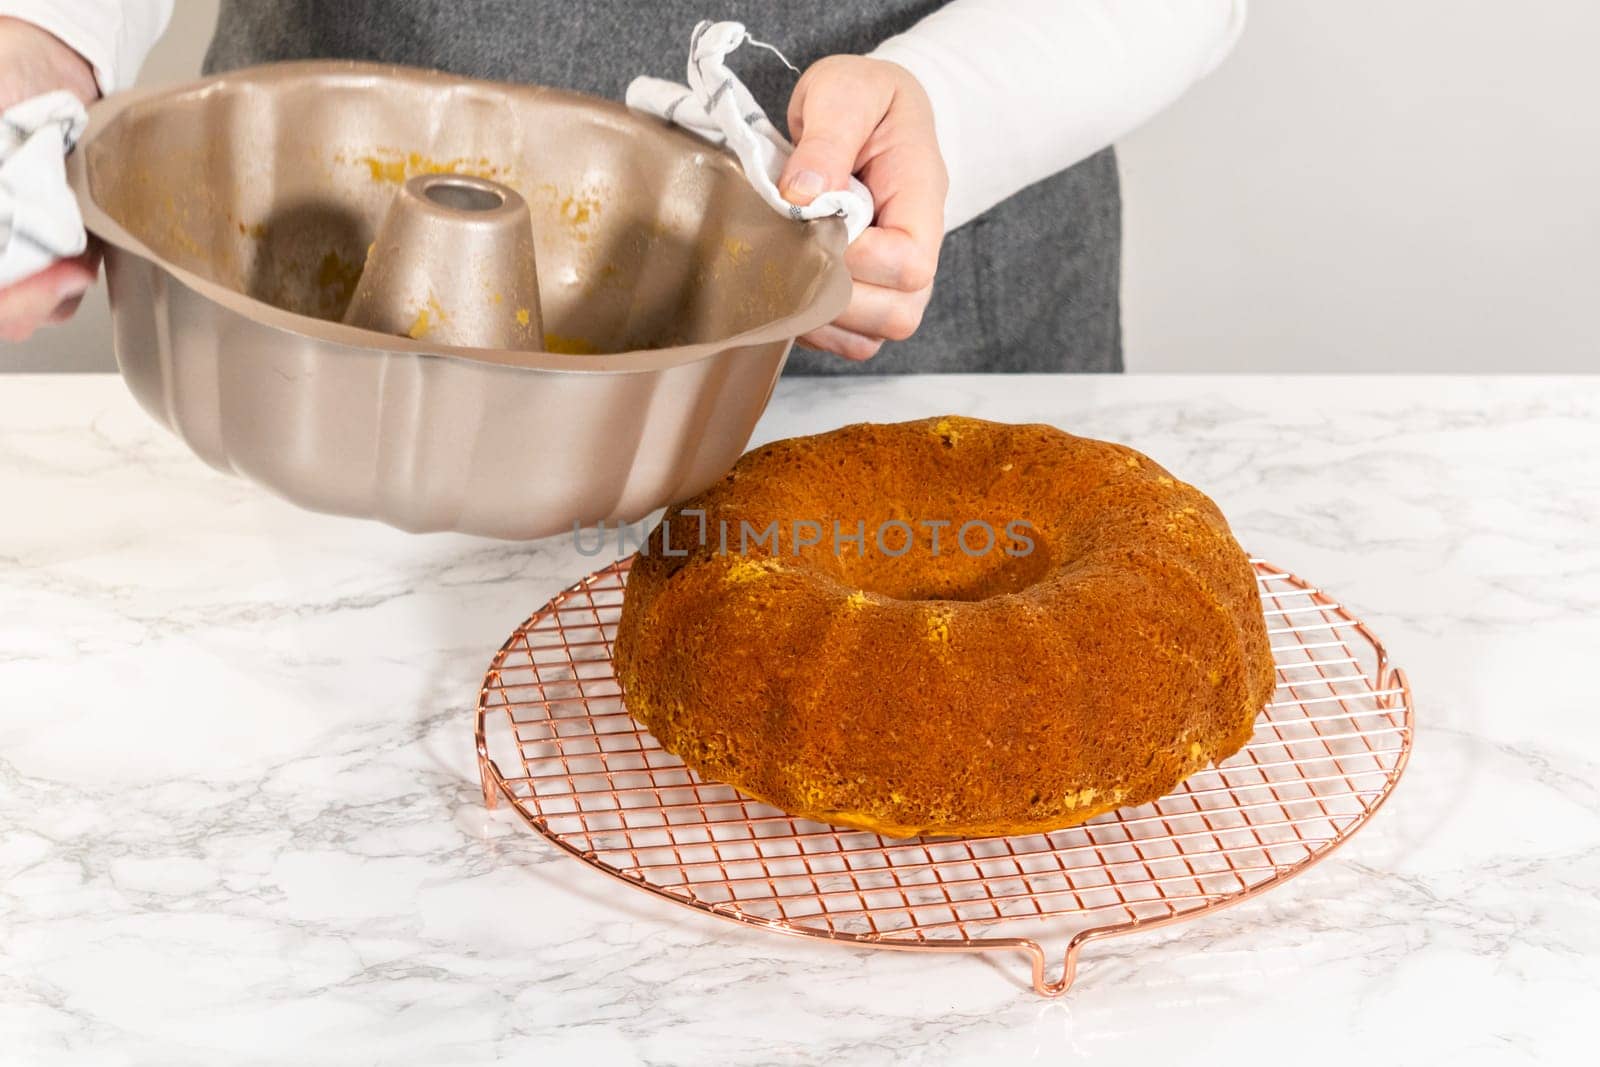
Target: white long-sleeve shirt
(113,35)
(1021,89)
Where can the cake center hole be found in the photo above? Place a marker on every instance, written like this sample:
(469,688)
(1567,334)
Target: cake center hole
(950,574)
(459,196)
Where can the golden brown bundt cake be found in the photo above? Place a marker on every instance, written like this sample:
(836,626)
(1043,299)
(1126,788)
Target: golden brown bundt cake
(1107,645)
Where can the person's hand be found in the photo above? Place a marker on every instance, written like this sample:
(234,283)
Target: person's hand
(871,118)
(33,62)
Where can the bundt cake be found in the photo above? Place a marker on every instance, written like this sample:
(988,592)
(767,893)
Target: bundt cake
(829,628)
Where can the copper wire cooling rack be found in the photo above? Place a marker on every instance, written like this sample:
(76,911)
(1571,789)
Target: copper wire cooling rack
(555,741)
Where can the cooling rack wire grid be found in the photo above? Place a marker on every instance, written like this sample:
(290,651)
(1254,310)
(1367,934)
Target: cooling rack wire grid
(555,742)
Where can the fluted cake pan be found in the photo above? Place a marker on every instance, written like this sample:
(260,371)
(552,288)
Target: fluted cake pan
(238,212)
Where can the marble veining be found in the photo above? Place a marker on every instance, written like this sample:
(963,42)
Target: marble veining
(240,820)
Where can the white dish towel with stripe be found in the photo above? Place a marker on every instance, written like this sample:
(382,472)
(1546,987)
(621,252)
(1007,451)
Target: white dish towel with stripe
(717,106)
(39,220)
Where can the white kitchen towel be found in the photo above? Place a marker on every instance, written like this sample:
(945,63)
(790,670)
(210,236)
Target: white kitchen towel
(717,106)
(39,220)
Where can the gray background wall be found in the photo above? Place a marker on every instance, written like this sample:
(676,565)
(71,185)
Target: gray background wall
(1364,185)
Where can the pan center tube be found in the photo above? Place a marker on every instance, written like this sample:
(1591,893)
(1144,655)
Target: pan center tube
(453,264)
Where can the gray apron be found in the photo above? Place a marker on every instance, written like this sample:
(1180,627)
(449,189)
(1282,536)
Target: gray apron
(1031,285)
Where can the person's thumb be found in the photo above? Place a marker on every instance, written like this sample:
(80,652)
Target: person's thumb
(820,162)
(832,117)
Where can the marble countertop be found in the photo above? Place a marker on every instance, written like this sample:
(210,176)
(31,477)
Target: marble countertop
(240,819)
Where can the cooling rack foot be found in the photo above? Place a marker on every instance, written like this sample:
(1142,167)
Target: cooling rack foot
(1047,987)
(491,795)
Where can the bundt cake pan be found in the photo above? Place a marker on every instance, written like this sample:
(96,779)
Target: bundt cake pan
(238,212)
